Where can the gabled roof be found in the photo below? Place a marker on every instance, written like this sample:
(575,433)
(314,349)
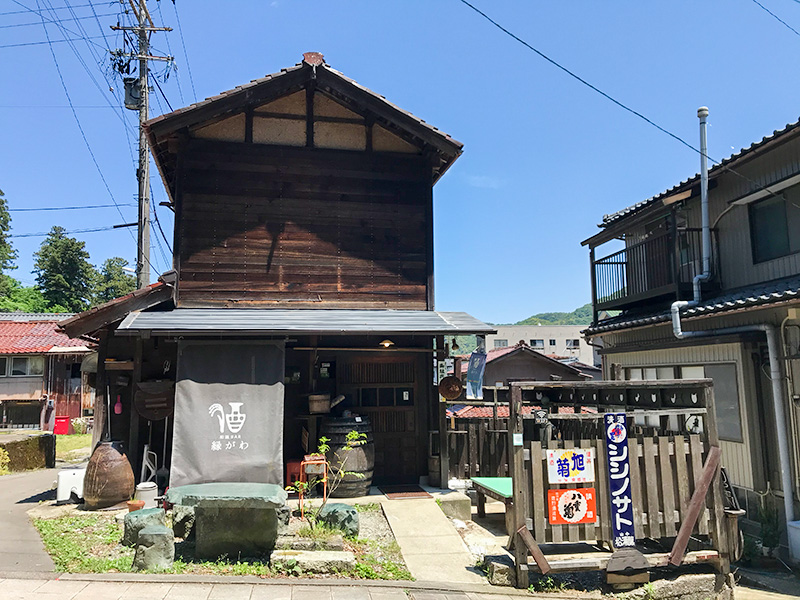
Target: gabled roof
(37,335)
(766,143)
(311,71)
(753,296)
(498,353)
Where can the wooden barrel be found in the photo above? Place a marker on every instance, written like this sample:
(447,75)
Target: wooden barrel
(357,460)
(109,477)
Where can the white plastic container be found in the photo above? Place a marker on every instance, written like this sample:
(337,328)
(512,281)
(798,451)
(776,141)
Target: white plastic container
(147,491)
(794,540)
(69,485)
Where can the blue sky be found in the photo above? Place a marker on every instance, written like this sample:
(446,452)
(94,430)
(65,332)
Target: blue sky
(544,156)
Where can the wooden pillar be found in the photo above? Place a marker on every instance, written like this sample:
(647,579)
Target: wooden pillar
(594,285)
(717,504)
(516,459)
(134,455)
(444,448)
(100,418)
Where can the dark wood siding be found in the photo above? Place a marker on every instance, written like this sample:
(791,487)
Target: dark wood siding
(263,225)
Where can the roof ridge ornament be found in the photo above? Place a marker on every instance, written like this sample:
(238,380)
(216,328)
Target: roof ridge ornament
(313,59)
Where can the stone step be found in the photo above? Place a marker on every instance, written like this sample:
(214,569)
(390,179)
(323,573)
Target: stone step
(319,561)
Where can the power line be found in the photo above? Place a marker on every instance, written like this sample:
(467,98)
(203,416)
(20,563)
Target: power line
(169,53)
(183,44)
(74,231)
(758,186)
(47,208)
(94,37)
(19,12)
(777,17)
(55,21)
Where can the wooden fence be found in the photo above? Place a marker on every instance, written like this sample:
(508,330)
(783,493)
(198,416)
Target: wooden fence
(478,448)
(673,456)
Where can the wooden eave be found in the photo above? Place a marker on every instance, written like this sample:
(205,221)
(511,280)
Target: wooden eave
(166,132)
(113,311)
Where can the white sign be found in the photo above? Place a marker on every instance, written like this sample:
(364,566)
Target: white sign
(516,438)
(571,465)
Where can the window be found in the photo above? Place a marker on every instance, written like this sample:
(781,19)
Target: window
(539,344)
(27,365)
(552,342)
(3,366)
(573,343)
(501,343)
(774,226)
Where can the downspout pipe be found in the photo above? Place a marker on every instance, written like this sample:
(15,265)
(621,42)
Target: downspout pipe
(778,393)
(702,114)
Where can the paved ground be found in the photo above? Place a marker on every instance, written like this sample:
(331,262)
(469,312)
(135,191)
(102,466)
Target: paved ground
(21,548)
(70,589)
(432,549)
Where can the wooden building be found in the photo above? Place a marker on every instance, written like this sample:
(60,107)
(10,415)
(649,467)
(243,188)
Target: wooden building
(645,258)
(303,222)
(40,372)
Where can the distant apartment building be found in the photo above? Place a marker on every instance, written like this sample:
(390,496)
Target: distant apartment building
(556,341)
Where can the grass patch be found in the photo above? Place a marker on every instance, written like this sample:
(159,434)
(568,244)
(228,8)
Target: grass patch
(321,532)
(90,543)
(369,507)
(376,560)
(68,445)
(85,544)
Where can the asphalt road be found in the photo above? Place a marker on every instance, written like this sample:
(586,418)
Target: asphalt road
(21,547)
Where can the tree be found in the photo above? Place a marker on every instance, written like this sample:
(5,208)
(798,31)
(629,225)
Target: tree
(7,252)
(63,272)
(19,298)
(114,281)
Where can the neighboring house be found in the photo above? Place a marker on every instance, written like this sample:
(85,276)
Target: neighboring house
(40,371)
(754,287)
(561,340)
(522,363)
(303,266)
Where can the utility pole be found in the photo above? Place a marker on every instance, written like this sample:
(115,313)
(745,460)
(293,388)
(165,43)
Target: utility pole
(143,256)
(143,28)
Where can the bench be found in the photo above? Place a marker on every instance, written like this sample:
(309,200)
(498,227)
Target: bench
(497,488)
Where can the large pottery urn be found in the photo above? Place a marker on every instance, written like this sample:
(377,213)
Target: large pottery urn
(109,477)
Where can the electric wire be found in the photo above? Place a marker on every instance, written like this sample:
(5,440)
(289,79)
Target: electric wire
(185,54)
(20,12)
(71,232)
(49,208)
(55,21)
(85,141)
(785,24)
(169,52)
(42,43)
(163,95)
(758,186)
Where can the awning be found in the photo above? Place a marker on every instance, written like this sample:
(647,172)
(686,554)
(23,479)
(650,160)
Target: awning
(268,321)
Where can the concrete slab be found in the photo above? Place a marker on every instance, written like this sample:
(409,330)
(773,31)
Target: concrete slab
(271,592)
(349,593)
(190,591)
(232,591)
(385,594)
(422,530)
(18,493)
(98,590)
(309,592)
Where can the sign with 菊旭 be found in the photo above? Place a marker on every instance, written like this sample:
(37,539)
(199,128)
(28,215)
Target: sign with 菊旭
(571,507)
(571,465)
(619,480)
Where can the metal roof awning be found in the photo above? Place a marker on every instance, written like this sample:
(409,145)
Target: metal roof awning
(269,321)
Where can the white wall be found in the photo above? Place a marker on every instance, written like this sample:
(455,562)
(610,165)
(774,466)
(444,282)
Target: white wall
(560,333)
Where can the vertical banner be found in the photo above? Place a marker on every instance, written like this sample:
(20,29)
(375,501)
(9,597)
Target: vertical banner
(619,480)
(475,369)
(228,413)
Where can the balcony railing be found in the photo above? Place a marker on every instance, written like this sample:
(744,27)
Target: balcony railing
(658,266)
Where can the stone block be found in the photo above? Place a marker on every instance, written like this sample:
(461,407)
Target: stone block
(324,561)
(155,549)
(138,520)
(289,542)
(183,521)
(341,516)
(456,506)
(500,570)
(283,513)
(234,532)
